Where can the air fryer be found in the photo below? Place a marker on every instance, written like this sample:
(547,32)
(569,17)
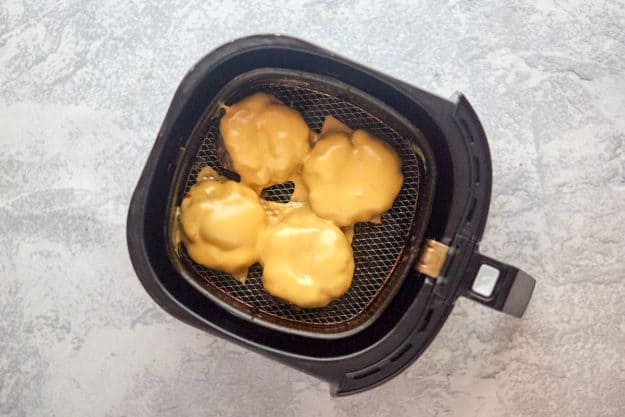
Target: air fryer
(410,268)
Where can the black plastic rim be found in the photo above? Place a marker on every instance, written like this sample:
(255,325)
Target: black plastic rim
(420,307)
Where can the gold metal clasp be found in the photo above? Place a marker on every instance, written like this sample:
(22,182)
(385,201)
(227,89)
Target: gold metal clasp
(432,258)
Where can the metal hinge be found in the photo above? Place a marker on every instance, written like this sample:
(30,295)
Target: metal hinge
(432,258)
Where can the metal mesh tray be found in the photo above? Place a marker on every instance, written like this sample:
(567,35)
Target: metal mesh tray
(379,249)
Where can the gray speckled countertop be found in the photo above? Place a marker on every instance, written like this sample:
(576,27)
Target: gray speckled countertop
(84,86)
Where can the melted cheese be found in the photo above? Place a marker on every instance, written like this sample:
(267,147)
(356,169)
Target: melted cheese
(333,125)
(304,246)
(351,178)
(300,192)
(278,211)
(265,139)
(306,260)
(220,222)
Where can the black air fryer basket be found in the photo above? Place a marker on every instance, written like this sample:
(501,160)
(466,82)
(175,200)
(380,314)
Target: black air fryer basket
(410,268)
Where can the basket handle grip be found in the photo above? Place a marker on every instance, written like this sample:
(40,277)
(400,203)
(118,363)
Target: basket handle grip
(498,285)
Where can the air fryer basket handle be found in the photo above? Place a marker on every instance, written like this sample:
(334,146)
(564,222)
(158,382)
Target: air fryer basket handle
(511,292)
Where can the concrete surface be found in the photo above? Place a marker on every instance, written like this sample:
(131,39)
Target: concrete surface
(84,86)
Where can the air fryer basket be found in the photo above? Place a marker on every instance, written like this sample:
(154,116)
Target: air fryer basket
(381,251)
(410,307)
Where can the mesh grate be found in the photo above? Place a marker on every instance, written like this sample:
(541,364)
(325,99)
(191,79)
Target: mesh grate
(377,247)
